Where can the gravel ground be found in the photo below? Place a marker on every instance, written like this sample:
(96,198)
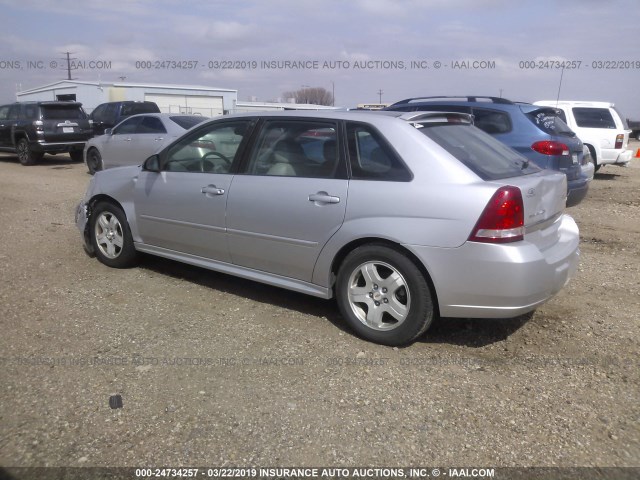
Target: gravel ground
(218,371)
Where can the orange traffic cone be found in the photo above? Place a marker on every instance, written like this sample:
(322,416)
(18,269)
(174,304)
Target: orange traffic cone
(638,153)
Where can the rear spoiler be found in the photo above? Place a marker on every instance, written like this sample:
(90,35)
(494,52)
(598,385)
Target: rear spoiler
(437,117)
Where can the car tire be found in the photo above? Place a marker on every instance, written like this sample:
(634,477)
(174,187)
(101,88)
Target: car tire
(94,161)
(25,155)
(111,237)
(384,296)
(76,156)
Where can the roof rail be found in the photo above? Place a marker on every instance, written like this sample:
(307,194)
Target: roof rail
(472,98)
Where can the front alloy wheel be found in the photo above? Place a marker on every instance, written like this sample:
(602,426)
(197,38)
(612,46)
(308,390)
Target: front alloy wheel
(384,296)
(111,237)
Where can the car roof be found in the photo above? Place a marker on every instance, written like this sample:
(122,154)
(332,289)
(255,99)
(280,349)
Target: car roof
(575,103)
(163,115)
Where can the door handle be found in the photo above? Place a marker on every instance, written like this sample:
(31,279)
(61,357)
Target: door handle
(323,197)
(127,139)
(158,139)
(212,190)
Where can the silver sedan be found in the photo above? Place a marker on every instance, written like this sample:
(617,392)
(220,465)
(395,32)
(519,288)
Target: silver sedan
(401,217)
(135,138)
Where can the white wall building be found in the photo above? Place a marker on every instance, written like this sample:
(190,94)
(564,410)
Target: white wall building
(206,101)
(242,107)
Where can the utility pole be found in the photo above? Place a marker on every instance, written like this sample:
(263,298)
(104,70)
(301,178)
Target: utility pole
(380,92)
(68,54)
(333,93)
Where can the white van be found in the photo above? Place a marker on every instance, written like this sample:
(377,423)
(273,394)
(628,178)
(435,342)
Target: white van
(600,127)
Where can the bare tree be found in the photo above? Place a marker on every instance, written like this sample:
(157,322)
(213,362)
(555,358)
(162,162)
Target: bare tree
(314,95)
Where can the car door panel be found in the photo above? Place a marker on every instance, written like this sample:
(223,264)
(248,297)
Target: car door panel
(282,212)
(280,224)
(179,212)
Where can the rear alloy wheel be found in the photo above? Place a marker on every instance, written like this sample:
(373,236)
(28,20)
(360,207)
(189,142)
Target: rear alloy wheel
(25,154)
(94,161)
(111,237)
(383,295)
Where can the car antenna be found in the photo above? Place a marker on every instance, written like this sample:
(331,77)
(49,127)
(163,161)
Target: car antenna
(558,97)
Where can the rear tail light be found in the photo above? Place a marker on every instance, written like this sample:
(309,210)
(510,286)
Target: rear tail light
(619,141)
(549,147)
(502,220)
(39,125)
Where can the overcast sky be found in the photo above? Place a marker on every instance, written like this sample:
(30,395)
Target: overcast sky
(368,46)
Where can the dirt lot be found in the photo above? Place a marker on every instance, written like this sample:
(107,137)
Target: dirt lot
(217,371)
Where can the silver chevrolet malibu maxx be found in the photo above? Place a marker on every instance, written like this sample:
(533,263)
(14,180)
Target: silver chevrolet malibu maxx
(401,216)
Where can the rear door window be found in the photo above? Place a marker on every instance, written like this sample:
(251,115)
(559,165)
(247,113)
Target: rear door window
(295,148)
(487,157)
(593,117)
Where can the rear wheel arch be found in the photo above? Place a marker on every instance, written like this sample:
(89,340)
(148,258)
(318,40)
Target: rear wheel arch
(594,156)
(351,246)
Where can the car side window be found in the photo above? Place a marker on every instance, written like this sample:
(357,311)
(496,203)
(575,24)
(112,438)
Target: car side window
(371,157)
(491,121)
(14,112)
(129,126)
(4,112)
(562,115)
(290,148)
(30,112)
(212,149)
(98,114)
(151,125)
(593,117)
(110,113)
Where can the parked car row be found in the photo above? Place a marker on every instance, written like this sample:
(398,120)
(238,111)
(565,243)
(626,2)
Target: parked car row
(135,138)
(550,133)
(401,216)
(31,129)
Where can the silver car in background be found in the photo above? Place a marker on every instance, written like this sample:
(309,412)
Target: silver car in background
(400,216)
(135,138)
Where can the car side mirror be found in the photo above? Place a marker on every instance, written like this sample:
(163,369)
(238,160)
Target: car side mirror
(152,164)
(108,131)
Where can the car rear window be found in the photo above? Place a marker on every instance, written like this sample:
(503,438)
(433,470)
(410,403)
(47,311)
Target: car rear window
(593,117)
(549,122)
(187,121)
(51,112)
(487,157)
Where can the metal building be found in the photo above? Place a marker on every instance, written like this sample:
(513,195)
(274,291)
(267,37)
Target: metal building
(206,101)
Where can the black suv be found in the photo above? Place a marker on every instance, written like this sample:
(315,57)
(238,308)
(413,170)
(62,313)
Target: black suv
(32,129)
(108,115)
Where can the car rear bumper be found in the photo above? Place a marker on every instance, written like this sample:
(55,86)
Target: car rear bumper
(577,190)
(58,147)
(479,280)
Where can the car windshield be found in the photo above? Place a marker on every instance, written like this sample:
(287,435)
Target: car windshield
(55,112)
(187,121)
(487,157)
